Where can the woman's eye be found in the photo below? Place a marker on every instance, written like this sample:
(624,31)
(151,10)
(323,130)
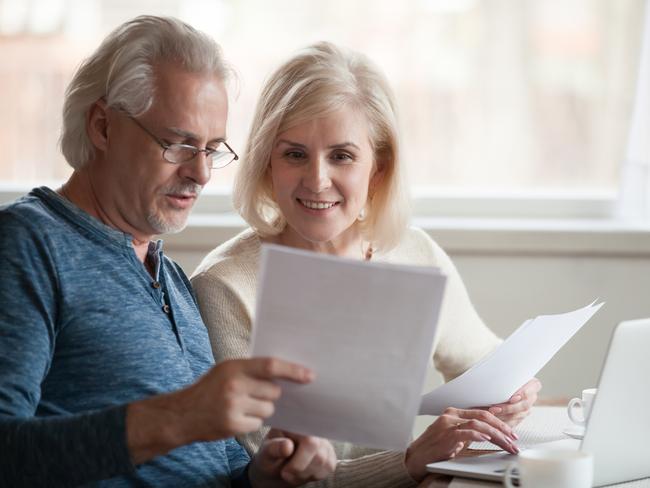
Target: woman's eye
(343,157)
(296,155)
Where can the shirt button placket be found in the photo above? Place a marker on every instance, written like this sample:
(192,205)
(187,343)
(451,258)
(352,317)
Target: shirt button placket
(165,308)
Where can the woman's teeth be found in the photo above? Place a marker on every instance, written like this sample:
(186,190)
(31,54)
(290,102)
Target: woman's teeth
(317,205)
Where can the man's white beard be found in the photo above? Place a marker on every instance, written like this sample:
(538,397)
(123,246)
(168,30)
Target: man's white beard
(170,226)
(162,226)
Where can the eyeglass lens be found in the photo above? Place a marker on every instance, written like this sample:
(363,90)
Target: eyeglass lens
(181,153)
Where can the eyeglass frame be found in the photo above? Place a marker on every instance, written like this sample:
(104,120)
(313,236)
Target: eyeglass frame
(165,146)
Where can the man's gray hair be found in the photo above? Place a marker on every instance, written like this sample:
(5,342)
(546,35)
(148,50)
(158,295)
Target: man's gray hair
(121,71)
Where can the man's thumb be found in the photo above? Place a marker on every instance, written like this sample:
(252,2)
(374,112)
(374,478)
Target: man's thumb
(276,451)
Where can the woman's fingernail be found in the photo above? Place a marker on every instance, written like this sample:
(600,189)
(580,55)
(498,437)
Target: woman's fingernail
(514,435)
(516,398)
(496,409)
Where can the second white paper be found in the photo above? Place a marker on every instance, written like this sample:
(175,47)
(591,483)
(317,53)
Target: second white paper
(365,329)
(518,359)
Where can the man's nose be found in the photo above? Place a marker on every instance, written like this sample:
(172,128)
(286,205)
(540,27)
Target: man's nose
(198,169)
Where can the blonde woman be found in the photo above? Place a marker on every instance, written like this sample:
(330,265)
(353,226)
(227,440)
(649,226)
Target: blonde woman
(321,171)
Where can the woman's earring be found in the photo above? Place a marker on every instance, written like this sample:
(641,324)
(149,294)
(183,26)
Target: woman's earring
(363,214)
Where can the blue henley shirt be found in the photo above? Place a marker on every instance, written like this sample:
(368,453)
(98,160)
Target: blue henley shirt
(85,329)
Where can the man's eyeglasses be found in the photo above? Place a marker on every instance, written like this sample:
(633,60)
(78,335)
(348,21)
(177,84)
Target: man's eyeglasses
(218,157)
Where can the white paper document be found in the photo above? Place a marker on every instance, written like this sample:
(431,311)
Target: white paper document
(544,424)
(366,329)
(518,359)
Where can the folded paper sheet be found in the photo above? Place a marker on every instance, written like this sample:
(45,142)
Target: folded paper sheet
(365,329)
(518,359)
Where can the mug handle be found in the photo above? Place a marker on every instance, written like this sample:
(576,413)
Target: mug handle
(507,482)
(575,402)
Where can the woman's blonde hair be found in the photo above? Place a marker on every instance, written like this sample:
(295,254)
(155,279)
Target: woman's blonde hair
(121,71)
(316,82)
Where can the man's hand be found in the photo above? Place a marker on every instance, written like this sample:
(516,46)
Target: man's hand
(287,459)
(517,408)
(232,398)
(450,433)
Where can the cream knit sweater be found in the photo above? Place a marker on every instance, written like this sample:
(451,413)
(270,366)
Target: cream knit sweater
(225,284)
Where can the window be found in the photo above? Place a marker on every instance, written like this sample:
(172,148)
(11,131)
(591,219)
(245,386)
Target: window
(499,96)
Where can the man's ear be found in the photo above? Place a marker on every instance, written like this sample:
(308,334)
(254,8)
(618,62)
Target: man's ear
(97,124)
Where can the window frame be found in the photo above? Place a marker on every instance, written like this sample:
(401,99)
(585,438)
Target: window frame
(430,203)
(532,225)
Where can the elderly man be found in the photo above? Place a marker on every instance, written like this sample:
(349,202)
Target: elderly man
(106,373)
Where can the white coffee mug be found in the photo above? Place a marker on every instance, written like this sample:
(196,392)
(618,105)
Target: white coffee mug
(583,403)
(557,468)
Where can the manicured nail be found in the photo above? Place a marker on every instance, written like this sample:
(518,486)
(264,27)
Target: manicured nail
(496,409)
(514,435)
(516,398)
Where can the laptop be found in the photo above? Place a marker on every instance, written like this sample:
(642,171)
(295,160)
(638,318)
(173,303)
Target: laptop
(618,428)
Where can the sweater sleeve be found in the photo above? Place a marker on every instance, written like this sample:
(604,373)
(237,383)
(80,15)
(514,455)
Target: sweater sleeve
(229,327)
(463,338)
(43,451)
(383,469)
(226,311)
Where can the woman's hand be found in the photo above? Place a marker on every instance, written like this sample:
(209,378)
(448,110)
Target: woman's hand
(449,434)
(517,408)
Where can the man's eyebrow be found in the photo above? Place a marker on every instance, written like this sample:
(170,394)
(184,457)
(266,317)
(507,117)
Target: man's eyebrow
(191,135)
